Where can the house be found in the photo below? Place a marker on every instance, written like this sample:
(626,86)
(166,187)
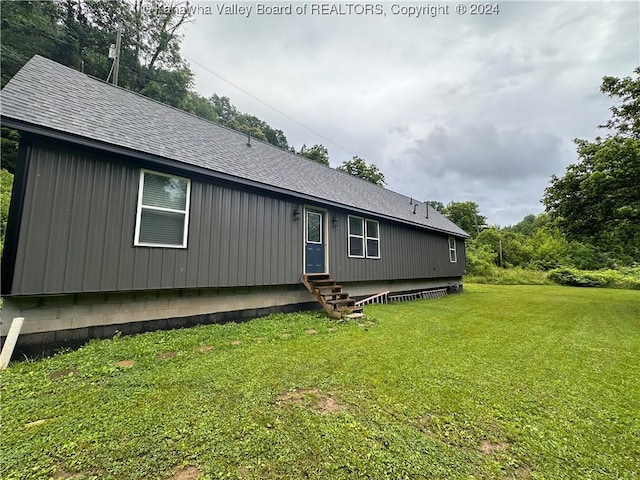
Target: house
(128,214)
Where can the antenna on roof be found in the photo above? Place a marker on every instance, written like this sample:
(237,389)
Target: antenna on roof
(415,205)
(411,201)
(248,139)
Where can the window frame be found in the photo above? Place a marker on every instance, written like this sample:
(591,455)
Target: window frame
(361,237)
(367,238)
(140,207)
(453,250)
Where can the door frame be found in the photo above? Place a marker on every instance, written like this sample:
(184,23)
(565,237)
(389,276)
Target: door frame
(325,236)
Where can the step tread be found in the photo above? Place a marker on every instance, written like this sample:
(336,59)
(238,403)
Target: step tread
(341,301)
(324,287)
(326,281)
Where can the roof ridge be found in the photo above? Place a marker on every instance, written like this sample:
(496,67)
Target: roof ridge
(47,94)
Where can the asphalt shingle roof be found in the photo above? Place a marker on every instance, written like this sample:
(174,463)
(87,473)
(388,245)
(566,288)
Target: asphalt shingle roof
(46,94)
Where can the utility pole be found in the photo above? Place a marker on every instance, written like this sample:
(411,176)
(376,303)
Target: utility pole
(116,62)
(500,243)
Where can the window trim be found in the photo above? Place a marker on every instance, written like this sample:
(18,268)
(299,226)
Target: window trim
(306,227)
(452,250)
(140,207)
(367,237)
(362,237)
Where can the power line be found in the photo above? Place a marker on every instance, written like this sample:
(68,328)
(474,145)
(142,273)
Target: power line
(271,107)
(288,117)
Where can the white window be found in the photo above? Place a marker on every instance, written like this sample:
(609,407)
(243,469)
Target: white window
(453,257)
(373,239)
(364,238)
(162,219)
(356,237)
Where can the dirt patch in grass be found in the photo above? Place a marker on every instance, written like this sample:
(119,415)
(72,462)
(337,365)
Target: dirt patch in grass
(126,363)
(165,356)
(187,473)
(310,331)
(235,343)
(523,472)
(205,348)
(424,423)
(243,471)
(286,335)
(488,447)
(61,473)
(332,329)
(63,373)
(312,397)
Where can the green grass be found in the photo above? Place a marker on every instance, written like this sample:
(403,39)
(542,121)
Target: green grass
(544,379)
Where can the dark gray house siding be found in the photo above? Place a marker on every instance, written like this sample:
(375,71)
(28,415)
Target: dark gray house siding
(78,225)
(405,253)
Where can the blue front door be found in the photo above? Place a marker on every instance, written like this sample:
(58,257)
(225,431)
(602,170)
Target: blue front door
(314,242)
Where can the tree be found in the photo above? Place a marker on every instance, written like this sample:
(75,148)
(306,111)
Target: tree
(597,201)
(9,148)
(625,119)
(466,215)
(229,116)
(317,153)
(357,167)
(6,182)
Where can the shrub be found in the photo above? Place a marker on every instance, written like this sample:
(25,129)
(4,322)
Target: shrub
(509,276)
(624,278)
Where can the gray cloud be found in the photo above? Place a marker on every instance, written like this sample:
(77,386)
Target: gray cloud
(486,153)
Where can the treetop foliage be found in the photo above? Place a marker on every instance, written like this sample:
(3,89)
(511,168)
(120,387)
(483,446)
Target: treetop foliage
(357,167)
(317,153)
(625,117)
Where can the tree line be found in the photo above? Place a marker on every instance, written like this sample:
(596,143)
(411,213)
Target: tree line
(77,33)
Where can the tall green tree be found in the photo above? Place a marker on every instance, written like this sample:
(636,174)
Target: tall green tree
(597,201)
(625,117)
(229,116)
(466,215)
(317,153)
(357,167)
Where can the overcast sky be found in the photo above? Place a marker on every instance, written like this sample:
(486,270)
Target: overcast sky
(449,107)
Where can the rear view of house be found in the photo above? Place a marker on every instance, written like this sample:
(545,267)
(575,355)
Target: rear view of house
(129,214)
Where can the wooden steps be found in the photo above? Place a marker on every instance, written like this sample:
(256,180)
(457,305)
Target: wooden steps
(329,294)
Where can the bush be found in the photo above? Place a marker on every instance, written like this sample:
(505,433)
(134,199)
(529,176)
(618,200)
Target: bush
(480,259)
(509,276)
(6,181)
(624,278)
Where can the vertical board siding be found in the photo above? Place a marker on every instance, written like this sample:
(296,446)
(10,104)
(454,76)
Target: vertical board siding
(405,253)
(78,223)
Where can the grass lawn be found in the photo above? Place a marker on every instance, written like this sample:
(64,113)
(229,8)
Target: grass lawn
(499,382)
